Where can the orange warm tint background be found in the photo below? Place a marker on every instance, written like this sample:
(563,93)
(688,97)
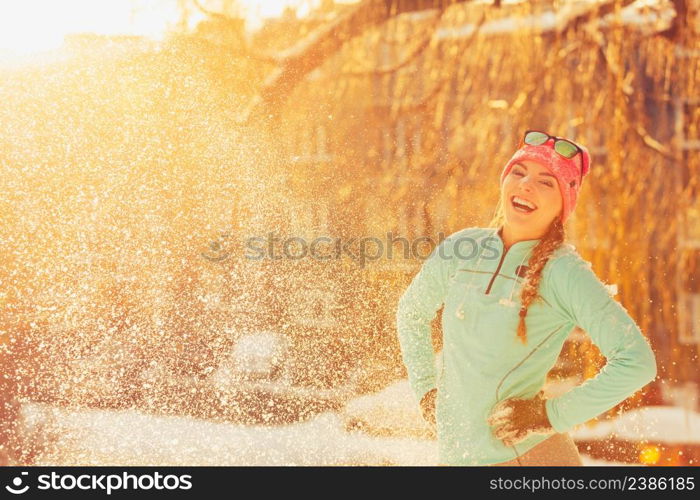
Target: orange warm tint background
(131,180)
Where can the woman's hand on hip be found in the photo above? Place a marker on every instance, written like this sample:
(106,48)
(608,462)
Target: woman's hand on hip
(514,420)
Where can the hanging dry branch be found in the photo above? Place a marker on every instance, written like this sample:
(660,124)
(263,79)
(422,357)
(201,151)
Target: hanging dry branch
(627,91)
(311,52)
(420,48)
(320,44)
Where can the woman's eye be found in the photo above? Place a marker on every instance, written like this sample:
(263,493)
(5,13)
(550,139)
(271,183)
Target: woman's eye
(520,174)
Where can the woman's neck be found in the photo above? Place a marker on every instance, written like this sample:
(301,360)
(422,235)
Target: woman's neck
(509,238)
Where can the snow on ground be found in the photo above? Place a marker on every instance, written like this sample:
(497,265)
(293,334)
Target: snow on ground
(130,438)
(669,424)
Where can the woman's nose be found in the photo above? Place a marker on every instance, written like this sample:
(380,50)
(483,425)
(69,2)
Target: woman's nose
(525,181)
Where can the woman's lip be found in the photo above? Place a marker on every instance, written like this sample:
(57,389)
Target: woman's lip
(515,195)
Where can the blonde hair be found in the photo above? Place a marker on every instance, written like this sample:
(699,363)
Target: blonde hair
(550,241)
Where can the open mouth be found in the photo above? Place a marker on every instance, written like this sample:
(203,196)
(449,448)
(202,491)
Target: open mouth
(522,205)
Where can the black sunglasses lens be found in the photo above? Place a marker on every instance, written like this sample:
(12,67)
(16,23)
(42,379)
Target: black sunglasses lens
(565,148)
(536,138)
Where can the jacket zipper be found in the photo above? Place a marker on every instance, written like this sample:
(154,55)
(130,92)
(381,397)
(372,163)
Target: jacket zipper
(488,289)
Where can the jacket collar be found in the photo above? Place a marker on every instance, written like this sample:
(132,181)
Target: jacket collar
(519,247)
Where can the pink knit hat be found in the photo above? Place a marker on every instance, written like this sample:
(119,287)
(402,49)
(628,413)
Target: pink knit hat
(567,171)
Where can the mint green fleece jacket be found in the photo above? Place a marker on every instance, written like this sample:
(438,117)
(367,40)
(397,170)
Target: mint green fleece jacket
(483,361)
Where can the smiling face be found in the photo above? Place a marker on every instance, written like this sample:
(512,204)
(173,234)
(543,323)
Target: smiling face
(530,184)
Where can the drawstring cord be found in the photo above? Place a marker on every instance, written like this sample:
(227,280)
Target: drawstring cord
(510,302)
(459,313)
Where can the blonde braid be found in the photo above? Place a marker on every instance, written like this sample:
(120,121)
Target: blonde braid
(552,240)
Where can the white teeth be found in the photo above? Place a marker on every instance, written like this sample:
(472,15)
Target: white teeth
(524,202)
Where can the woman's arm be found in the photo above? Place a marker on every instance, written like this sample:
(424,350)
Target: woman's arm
(416,309)
(631,363)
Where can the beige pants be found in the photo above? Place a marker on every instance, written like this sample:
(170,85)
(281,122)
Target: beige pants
(558,449)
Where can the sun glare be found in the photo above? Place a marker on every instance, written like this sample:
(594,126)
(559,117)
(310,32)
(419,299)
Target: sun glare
(33,26)
(256,11)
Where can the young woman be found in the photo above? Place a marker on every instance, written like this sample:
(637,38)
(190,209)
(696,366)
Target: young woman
(512,293)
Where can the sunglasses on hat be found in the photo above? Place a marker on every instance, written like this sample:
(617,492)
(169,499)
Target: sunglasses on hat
(564,147)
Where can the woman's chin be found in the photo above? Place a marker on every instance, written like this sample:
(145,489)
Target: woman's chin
(515,217)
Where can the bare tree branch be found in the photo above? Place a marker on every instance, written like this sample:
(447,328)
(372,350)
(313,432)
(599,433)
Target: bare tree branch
(420,103)
(595,12)
(211,13)
(311,52)
(675,32)
(627,91)
(401,64)
(226,20)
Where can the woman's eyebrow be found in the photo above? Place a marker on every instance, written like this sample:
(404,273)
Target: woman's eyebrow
(541,173)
